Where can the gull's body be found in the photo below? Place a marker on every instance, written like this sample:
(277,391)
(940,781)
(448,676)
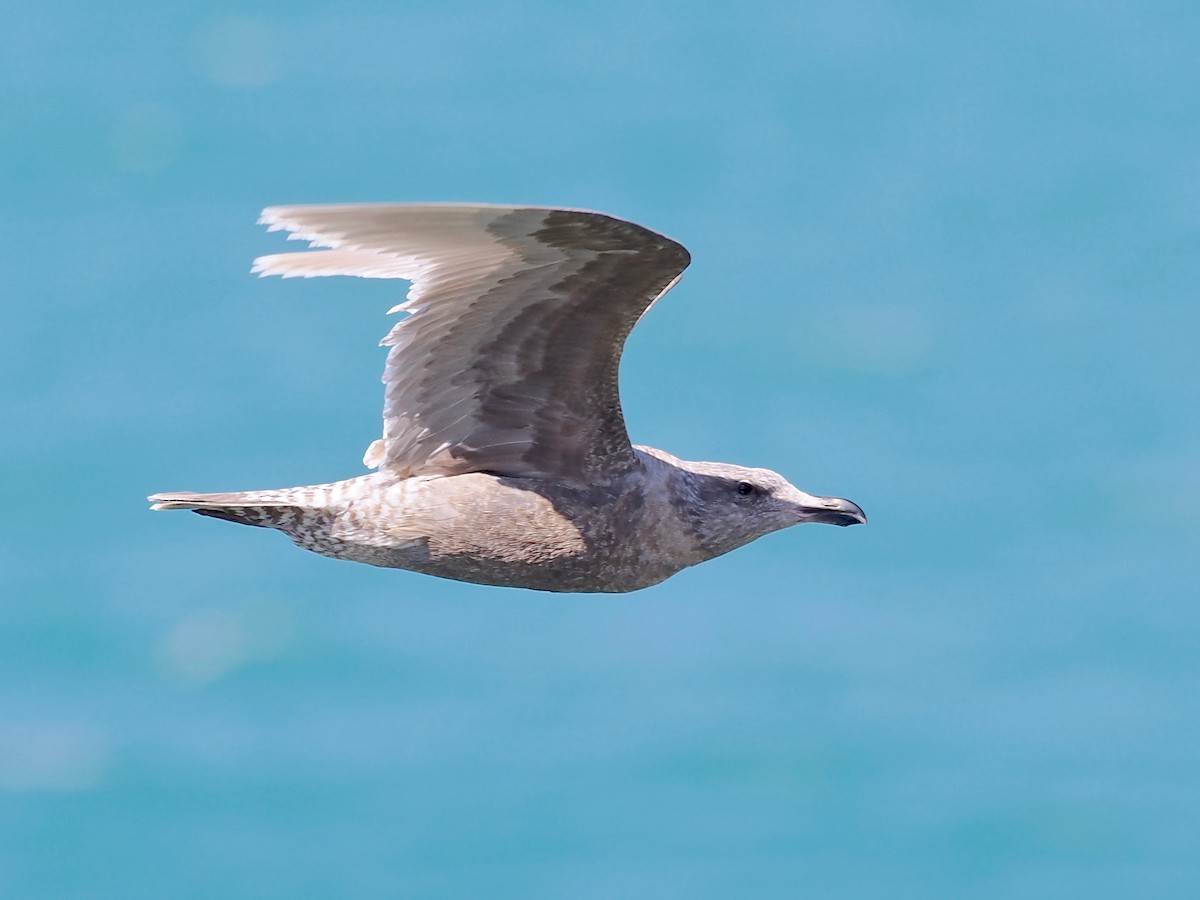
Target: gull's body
(504,458)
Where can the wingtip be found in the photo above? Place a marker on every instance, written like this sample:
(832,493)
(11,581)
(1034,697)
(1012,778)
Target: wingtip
(266,265)
(271,216)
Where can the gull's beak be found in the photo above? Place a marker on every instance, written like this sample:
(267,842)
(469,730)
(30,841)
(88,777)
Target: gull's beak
(828,510)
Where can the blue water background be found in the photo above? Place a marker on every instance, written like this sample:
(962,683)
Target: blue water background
(947,260)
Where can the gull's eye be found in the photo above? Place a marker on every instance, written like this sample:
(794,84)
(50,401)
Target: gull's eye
(745,489)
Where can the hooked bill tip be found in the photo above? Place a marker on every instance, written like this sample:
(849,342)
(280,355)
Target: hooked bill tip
(836,511)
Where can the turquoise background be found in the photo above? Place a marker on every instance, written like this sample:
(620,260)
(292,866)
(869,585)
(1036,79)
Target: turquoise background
(946,264)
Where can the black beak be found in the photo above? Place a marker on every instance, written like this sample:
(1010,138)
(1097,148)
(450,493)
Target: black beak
(834,511)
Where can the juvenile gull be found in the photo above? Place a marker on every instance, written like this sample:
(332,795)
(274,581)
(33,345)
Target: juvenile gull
(504,458)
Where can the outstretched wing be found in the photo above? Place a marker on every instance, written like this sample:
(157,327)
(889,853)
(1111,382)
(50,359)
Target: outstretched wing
(508,360)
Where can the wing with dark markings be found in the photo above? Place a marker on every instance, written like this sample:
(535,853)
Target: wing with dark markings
(508,360)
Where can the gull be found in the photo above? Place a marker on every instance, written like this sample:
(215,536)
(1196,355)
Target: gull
(504,458)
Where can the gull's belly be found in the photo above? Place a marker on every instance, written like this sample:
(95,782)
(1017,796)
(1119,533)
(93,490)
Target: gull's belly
(511,532)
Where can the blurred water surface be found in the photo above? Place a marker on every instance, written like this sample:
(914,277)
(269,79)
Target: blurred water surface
(946,262)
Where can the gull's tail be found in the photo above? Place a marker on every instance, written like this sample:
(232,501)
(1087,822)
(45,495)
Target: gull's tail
(266,509)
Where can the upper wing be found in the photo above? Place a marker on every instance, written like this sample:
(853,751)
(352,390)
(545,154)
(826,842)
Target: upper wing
(508,361)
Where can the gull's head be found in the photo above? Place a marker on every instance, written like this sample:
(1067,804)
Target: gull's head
(728,506)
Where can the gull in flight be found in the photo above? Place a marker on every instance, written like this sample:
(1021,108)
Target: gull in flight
(504,458)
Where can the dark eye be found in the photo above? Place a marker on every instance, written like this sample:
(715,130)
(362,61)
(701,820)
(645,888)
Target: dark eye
(745,489)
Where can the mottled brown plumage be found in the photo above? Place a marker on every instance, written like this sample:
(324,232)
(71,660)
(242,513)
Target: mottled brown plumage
(504,457)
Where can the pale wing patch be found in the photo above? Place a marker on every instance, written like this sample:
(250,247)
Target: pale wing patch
(314,264)
(375,454)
